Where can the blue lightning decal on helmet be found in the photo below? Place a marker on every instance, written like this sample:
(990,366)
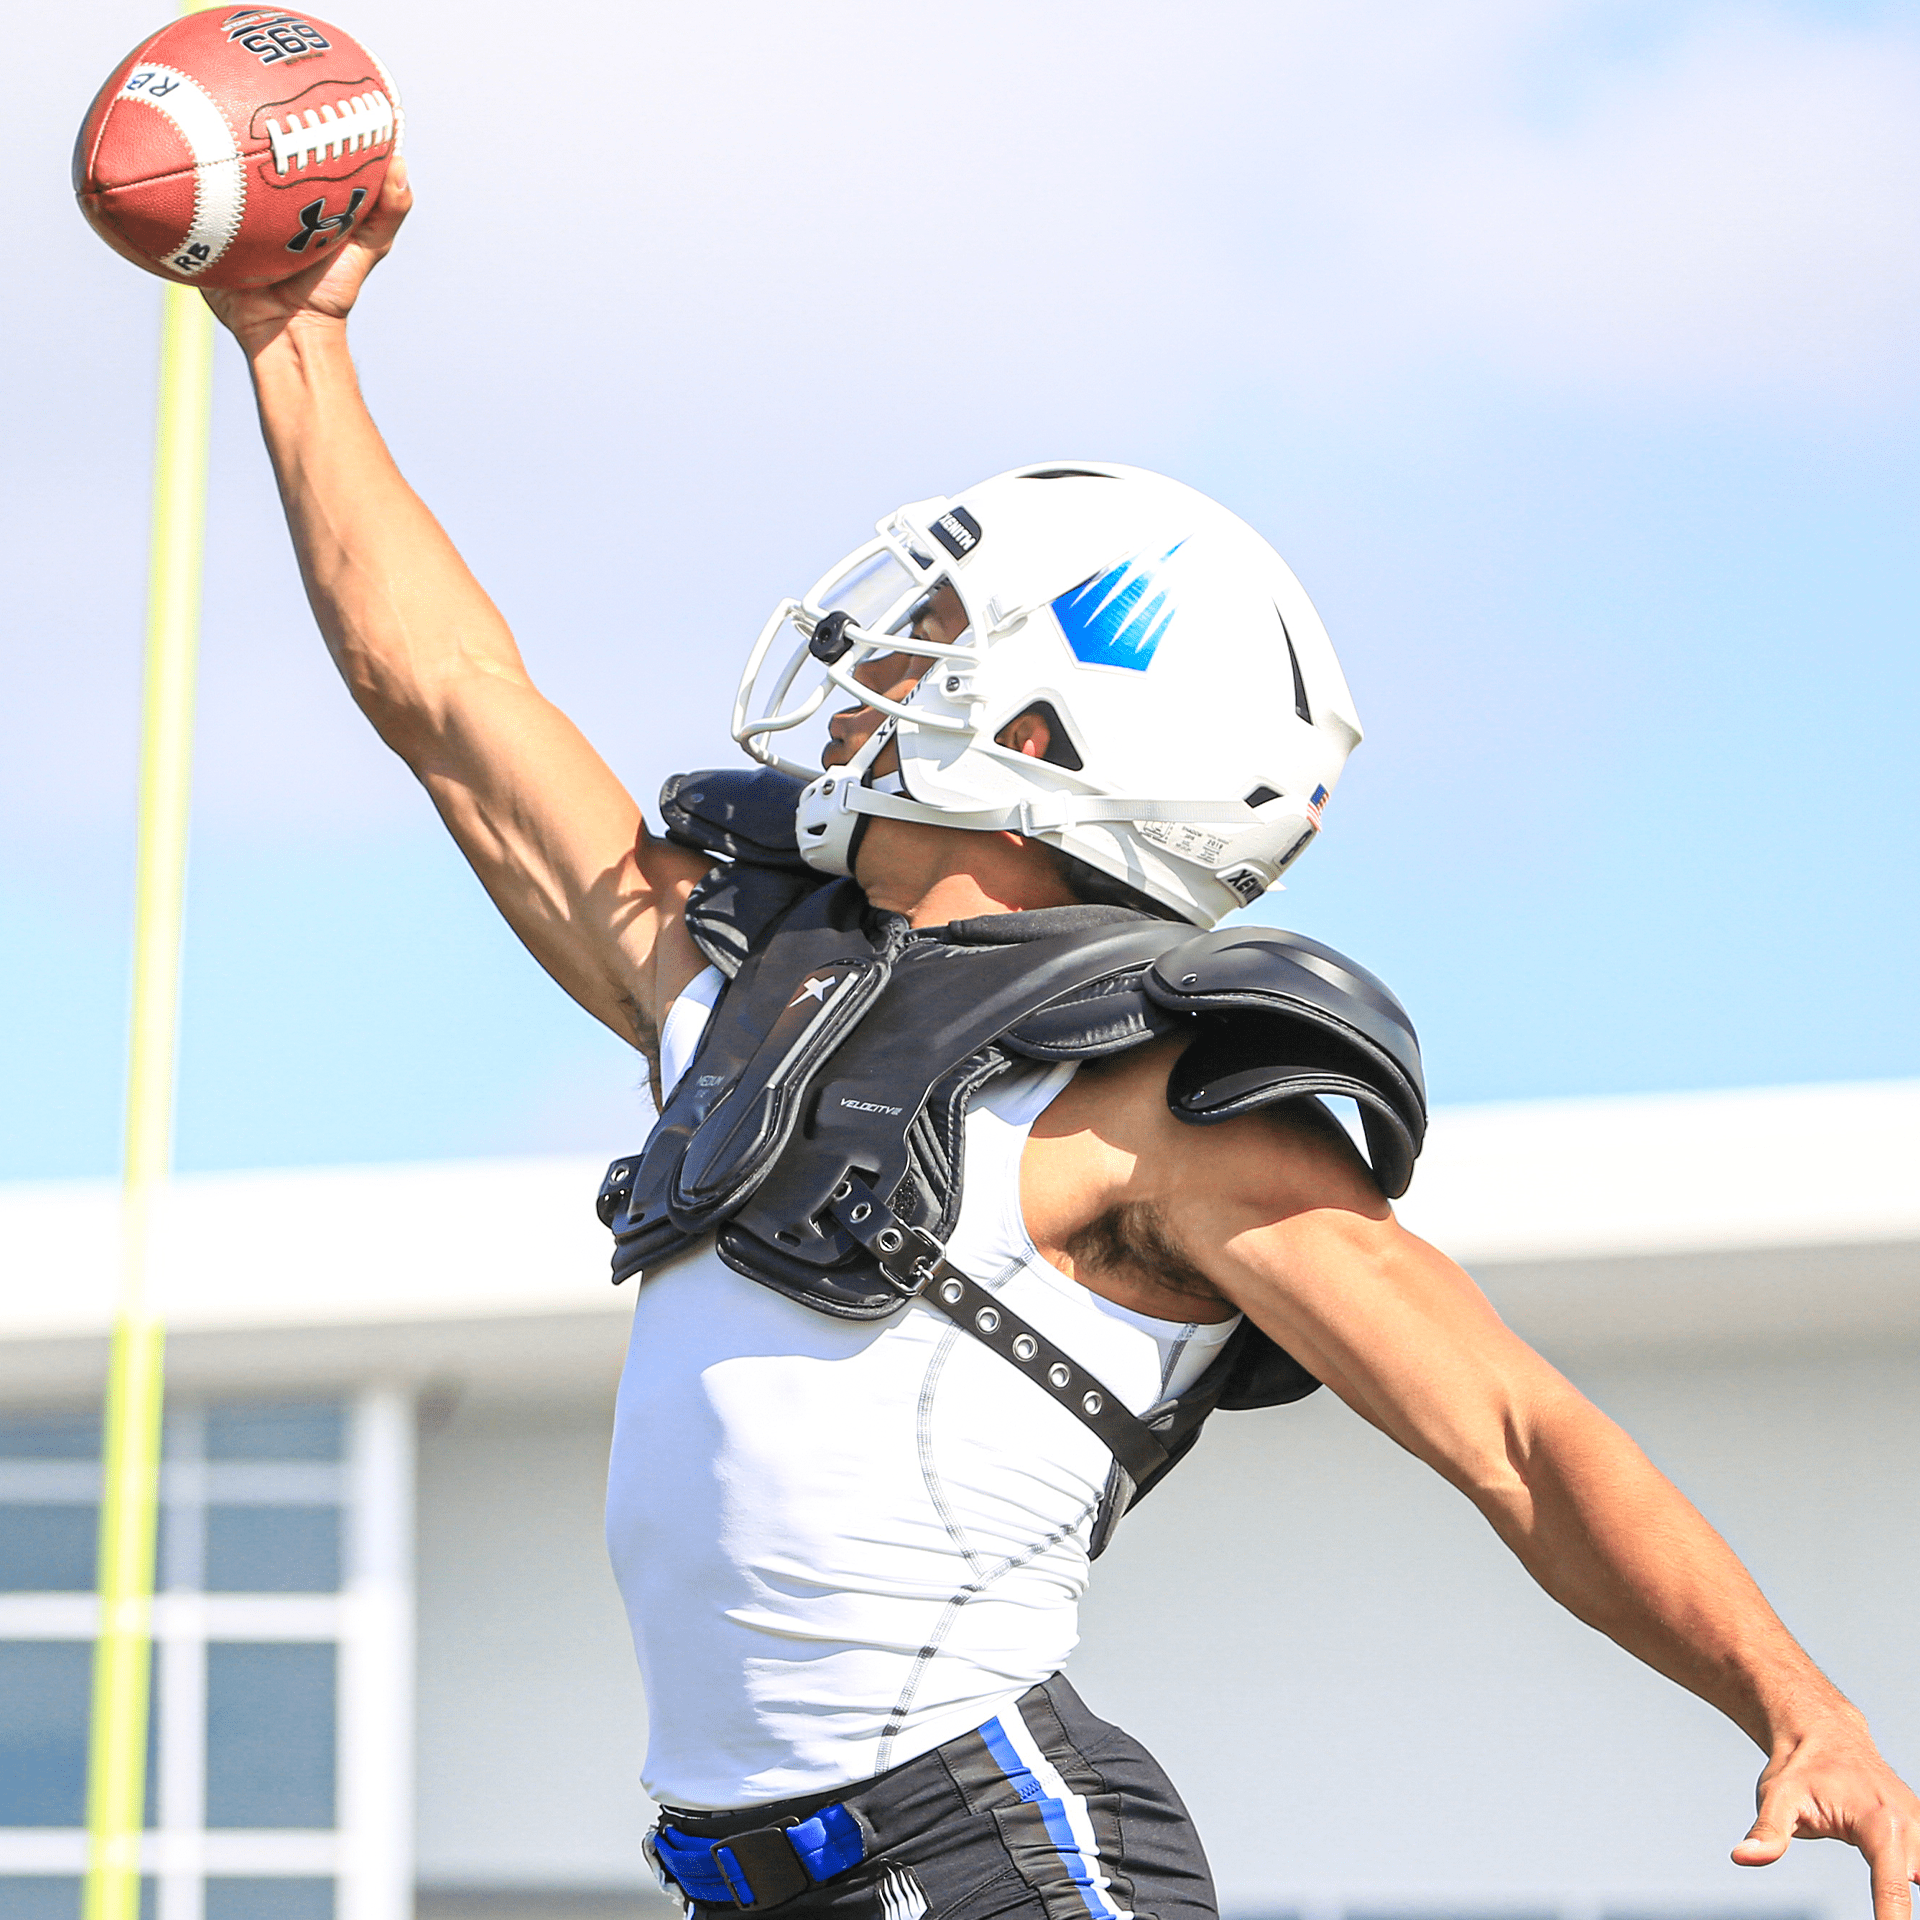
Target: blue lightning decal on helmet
(1117,619)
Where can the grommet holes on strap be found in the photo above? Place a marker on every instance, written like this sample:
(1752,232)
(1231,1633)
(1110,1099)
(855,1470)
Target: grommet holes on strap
(927,1274)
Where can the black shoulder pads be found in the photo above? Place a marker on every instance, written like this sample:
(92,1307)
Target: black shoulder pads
(741,813)
(732,909)
(1107,1017)
(1285,1018)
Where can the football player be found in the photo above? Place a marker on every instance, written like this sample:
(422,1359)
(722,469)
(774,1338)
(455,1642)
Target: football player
(897,1372)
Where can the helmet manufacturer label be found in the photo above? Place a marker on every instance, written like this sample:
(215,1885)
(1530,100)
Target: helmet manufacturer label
(958,531)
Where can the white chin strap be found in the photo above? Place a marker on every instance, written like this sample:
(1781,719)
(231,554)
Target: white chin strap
(832,807)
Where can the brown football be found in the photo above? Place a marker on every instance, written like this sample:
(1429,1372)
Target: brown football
(235,147)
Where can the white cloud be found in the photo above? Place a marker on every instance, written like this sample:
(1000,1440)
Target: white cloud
(1736,216)
(1371,191)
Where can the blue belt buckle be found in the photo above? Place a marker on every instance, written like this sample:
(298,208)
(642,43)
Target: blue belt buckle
(764,1863)
(761,1867)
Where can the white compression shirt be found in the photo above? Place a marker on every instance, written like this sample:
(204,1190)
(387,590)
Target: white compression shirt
(841,1543)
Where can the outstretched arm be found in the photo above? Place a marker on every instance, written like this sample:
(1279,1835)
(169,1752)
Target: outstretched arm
(1310,1250)
(555,838)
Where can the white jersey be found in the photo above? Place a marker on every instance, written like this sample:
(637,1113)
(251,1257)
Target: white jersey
(842,1543)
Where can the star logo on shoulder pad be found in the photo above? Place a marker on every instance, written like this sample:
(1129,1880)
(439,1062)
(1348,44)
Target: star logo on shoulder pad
(813,989)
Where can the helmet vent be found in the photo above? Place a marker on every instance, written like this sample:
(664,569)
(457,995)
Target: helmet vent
(1066,473)
(1260,796)
(1061,751)
(1299,680)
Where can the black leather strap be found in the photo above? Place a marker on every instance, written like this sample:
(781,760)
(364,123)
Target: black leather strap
(915,1263)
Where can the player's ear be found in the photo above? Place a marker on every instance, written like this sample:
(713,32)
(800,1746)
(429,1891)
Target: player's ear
(1026,733)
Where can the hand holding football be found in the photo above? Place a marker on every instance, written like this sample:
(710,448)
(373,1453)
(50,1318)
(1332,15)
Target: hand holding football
(236,147)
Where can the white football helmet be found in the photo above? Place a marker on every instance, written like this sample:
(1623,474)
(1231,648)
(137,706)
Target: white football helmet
(1199,718)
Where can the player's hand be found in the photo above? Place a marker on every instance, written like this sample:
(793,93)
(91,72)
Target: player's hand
(1833,1785)
(323,293)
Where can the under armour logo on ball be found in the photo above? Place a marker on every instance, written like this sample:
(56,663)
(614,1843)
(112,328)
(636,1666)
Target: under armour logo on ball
(317,224)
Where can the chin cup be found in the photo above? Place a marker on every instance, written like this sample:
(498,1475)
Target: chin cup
(826,823)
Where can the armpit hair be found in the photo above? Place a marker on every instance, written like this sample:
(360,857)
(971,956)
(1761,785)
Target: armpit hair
(1135,1234)
(646,1037)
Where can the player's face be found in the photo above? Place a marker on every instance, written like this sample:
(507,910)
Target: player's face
(893,676)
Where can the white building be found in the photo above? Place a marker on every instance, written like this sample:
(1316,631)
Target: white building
(391,1653)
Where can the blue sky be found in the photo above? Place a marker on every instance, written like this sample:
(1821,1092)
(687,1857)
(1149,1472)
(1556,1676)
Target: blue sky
(1567,351)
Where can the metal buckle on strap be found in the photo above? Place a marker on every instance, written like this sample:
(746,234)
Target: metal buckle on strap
(764,1863)
(908,1257)
(910,1261)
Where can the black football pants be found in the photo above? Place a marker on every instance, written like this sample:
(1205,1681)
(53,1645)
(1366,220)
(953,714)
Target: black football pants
(1045,1813)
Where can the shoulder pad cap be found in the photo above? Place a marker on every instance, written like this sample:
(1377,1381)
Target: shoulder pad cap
(1288,1019)
(740,813)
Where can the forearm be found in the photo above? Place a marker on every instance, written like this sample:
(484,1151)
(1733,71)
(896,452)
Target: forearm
(553,835)
(1611,1538)
(1404,1336)
(406,622)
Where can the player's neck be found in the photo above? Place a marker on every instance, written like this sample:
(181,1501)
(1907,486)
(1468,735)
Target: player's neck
(959,896)
(935,874)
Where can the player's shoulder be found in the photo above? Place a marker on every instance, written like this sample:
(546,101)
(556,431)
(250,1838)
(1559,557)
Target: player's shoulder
(1116,1135)
(1287,1158)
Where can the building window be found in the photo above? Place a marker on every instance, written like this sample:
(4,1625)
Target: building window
(279,1762)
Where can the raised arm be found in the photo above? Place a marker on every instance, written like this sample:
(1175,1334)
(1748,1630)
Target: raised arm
(1301,1240)
(555,838)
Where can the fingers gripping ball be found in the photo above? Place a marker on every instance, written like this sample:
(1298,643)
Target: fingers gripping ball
(236,146)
